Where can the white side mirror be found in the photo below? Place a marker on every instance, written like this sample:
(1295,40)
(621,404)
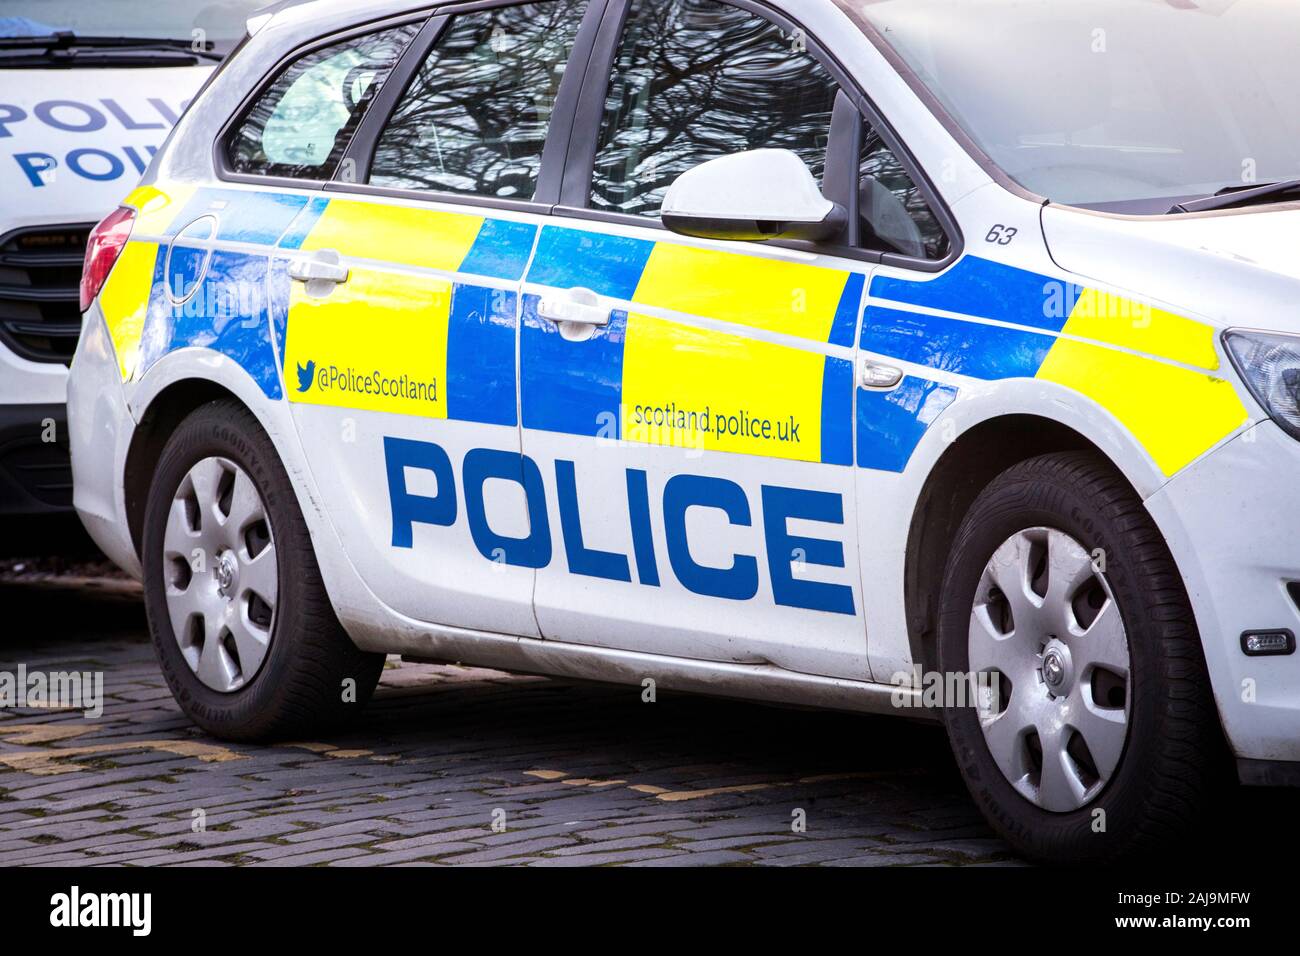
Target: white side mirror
(756,195)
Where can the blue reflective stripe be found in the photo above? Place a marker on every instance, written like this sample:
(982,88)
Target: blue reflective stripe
(844,328)
(987,290)
(892,424)
(501,249)
(229,314)
(967,348)
(481,356)
(253,217)
(568,387)
(303,224)
(837,412)
(608,265)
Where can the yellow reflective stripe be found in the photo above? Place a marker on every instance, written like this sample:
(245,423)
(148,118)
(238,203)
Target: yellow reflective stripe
(792,298)
(157,206)
(378,342)
(1134,325)
(1174,413)
(707,390)
(427,238)
(124,301)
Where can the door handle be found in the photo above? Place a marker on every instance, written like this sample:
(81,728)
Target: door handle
(323,269)
(574,307)
(878,377)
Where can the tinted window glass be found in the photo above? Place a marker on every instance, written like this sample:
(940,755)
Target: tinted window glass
(894,212)
(475,118)
(301,125)
(694,80)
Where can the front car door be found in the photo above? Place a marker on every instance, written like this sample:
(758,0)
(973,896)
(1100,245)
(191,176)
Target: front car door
(693,400)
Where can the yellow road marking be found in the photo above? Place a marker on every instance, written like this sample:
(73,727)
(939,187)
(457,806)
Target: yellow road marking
(45,762)
(27,734)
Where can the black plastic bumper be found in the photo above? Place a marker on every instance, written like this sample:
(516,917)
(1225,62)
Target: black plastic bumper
(35,468)
(1268,773)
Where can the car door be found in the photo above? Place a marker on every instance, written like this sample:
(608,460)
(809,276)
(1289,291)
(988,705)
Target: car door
(398,342)
(693,400)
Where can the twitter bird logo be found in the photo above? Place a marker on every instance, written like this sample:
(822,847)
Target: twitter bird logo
(306,375)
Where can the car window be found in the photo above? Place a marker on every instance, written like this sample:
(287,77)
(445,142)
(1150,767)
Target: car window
(894,212)
(300,126)
(694,80)
(475,117)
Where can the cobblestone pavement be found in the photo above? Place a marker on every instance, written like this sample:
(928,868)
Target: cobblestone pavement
(455,765)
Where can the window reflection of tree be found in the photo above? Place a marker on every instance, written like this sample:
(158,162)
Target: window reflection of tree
(475,118)
(694,80)
(879,162)
(300,126)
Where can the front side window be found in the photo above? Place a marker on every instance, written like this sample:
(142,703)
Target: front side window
(1115,105)
(475,118)
(301,125)
(697,79)
(895,215)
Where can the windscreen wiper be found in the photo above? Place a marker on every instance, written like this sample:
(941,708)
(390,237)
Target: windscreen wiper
(1231,196)
(66,40)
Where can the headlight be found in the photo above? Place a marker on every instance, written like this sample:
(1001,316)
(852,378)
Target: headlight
(1269,363)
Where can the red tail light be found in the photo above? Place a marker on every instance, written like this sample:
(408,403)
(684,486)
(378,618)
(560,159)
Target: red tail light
(106,242)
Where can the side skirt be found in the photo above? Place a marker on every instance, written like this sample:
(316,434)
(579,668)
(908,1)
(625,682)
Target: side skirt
(758,682)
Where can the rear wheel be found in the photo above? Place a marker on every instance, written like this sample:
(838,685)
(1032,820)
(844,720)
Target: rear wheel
(1096,734)
(239,616)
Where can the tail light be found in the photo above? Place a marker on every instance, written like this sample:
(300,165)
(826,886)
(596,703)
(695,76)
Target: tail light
(106,242)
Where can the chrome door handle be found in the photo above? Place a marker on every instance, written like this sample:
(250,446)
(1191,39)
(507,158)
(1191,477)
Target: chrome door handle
(878,377)
(322,268)
(575,307)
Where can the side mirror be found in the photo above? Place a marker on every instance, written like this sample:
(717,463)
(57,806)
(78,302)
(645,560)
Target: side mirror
(756,195)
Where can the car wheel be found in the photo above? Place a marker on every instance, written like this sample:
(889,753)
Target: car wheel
(240,619)
(1092,733)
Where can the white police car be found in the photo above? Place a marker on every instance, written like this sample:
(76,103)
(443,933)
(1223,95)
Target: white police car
(88,92)
(765,349)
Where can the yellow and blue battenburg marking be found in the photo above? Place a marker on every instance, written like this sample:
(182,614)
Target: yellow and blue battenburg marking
(406,342)
(654,380)
(426,326)
(1175,411)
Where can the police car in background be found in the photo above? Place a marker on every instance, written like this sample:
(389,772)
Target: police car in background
(88,92)
(766,349)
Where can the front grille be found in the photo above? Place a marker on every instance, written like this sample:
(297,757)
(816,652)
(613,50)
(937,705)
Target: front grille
(40,276)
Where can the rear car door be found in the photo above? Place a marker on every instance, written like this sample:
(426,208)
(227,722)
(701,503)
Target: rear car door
(399,284)
(701,440)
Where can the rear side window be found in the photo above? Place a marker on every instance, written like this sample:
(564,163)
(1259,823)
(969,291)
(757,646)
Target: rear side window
(475,117)
(694,80)
(301,124)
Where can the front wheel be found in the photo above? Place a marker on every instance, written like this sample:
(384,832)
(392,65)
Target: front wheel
(1093,734)
(242,625)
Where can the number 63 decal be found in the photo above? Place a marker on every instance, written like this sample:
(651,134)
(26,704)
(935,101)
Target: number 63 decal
(1002,235)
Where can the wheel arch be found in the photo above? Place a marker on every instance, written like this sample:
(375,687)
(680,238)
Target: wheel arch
(165,411)
(962,471)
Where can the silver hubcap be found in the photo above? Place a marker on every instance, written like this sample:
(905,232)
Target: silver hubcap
(1045,621)
(220,571)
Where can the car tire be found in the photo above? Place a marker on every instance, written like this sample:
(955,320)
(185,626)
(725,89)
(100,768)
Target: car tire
(251,651)
(1112,645)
